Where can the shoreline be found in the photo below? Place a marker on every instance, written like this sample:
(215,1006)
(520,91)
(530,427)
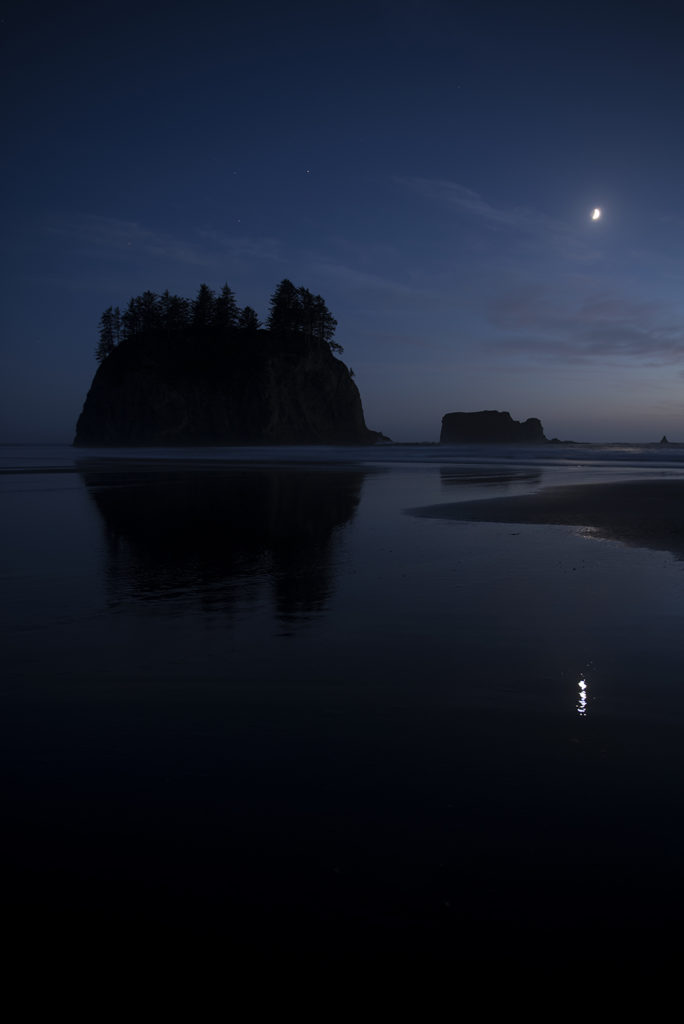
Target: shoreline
(644,513)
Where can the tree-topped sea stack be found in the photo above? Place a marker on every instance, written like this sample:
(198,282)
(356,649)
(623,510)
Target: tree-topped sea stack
(204,372)
(489,427)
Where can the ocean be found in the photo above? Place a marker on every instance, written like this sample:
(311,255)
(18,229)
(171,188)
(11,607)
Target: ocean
(256,696)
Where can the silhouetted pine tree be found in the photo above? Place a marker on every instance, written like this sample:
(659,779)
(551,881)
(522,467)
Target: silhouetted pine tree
(293,312)
(149,311)
(307,314)
(116,325)
(317,322)
(174,312)
(286,309)
(324,324)
(225,310)
(107,340)
(203,307)
(248,320)
(297,310)
(131,319)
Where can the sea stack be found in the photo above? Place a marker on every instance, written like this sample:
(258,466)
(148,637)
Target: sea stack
(489,427)
(179,373)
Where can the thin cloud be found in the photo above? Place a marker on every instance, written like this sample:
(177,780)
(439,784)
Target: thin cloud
(469,202)
(521,222)
(242,245)
(350,276)
(602,325)
(108,236)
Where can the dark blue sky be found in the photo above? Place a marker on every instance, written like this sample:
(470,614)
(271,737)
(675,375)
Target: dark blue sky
(428,167)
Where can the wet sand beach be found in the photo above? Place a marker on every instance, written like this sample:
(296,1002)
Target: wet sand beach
(648,513)
(258,705)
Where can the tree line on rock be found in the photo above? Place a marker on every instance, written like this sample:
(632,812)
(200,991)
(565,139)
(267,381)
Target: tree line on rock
(294,312)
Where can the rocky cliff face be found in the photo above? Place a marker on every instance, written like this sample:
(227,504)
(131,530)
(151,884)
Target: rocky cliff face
(489,427)
(156,390)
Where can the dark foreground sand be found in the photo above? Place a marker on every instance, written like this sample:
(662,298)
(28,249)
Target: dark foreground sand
(646,513)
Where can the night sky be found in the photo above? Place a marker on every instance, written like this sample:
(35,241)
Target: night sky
(429,167)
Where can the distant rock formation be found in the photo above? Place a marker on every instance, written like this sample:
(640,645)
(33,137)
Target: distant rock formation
(156,390)
(489,427)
